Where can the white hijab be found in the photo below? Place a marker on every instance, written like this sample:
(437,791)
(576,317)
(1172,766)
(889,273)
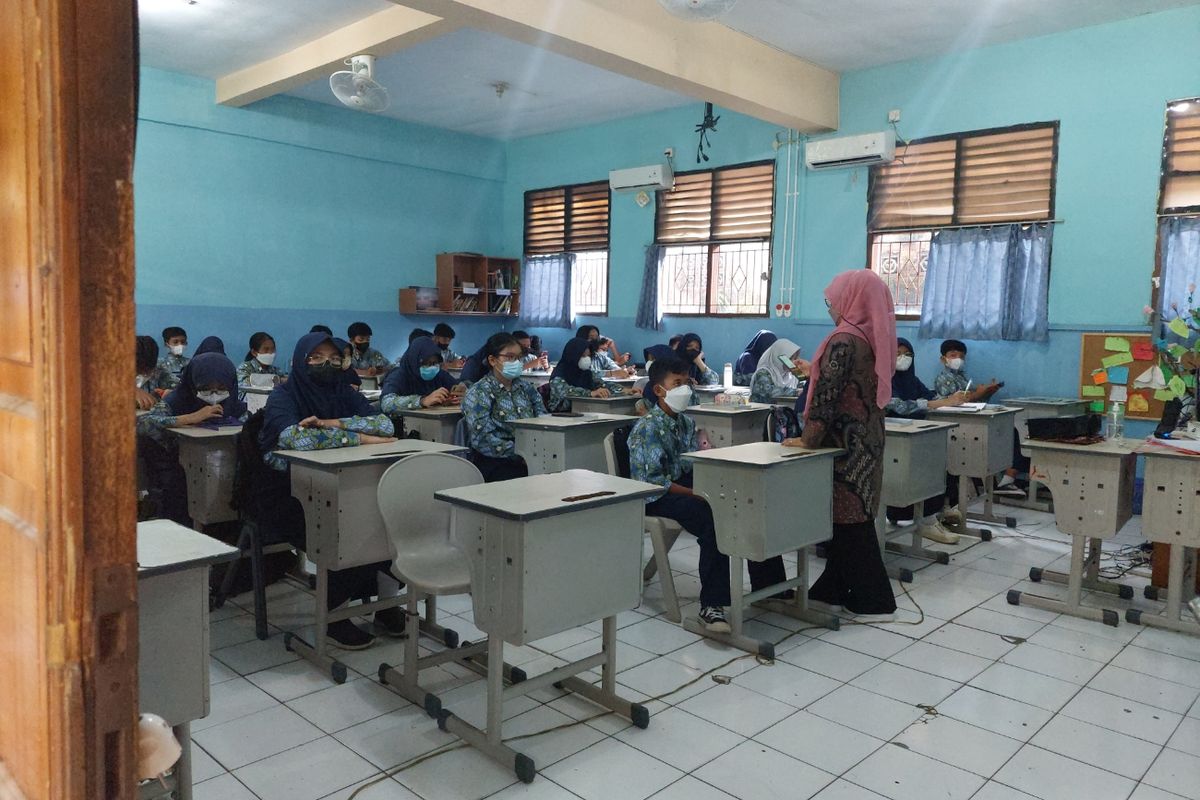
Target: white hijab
(771,363)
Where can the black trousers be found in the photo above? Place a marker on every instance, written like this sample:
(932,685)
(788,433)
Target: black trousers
(166,481)
(854,574)
(499,469)
(695,515)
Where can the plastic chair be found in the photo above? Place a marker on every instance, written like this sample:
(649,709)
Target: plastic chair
(662,532)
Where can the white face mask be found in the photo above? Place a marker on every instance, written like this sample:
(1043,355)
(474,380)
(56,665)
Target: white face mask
(955,363)
(176,349)
(266,359)
(648,363)
(585,363)
(903,363)
(679,398)
(212,398)
(141,381)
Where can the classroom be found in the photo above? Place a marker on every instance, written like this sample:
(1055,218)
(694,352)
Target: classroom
(478,344)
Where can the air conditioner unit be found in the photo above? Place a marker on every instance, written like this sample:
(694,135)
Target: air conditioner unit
(636,179)
(851,151)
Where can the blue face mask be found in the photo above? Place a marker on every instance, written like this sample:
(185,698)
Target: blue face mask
(430,372)
(511,369)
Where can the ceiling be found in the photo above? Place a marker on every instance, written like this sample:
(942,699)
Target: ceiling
(854,34)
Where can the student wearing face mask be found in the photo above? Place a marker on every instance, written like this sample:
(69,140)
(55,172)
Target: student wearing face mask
(349,373)
(173,360)
(152,380)
(773,378)
(366,360)
(655,352)
(656,447)
(530,358)
(419,381)
(691,351)
(573,377)
(207,392)
(604,367)
(490,406)
(747,363)
(443,337)
(260,359)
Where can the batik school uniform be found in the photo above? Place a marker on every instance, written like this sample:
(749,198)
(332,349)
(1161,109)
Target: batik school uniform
(950,381)
(256,367)
(607,364)
(404,387)
(526,358)
(489,408)
(173,366)
(561,392)
(764,389)
(157,382)
(370,358)
(747,363)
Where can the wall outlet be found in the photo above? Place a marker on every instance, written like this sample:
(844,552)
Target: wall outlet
(669,152)
(894,116)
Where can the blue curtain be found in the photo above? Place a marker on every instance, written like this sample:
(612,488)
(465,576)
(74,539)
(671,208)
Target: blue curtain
(546,291)
(1180,237)
(647,312)
(988,283)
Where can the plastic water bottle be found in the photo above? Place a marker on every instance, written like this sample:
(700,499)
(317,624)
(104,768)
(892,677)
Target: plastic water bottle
(727,377)
(1116,422)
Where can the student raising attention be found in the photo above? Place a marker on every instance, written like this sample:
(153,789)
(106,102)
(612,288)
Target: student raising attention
(260,359)
(656,447)
(173,361)
(775,379)
(573,377)
(152,380)
(366,359)
(747,363)
(418,381)
(492,403)
(691,351)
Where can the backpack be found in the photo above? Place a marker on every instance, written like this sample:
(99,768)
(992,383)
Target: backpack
(782,423)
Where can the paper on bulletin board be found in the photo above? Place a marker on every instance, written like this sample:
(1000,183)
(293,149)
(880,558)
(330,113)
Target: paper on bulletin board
(1091,391)
(1142,351)
(1179,327)
(1117,344)
(1116,360)
(1118,375)
(1177,386)
(1119,394)
(1138,403)
(1164,395)
(1099,377)
(1097,406)
(1095,359)
(1152,378)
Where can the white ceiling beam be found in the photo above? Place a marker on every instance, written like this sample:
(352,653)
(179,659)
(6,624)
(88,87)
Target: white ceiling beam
(380,34)
(640,40)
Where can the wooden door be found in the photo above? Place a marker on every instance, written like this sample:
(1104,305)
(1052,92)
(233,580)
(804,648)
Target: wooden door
(68,615)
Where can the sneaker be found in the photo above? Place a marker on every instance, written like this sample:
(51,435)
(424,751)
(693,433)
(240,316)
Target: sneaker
(390,622)
(1011,490)
(936,533)
(348,636)
(952,515)
(714,620)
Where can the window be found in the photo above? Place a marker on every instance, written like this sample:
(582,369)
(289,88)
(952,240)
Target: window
(1180,192)
(573,219)
(975,178)
(714,228)
(1178,254)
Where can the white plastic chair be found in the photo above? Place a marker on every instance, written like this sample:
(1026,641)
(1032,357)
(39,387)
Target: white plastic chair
(662,532)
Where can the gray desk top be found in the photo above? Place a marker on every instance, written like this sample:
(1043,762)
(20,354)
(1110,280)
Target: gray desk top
(785,399)
(713,389)
(164,546)
(615,398)
(1123,447)
(195,432)
(912,427)
(1154,450)
(534,373)
(726,410)
(248,389)
(1046,401)
(557,423)
(547,495)
(364,453)
(984,413)
(435,412)
(761,454)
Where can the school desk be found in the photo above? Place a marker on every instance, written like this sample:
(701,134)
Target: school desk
(435,424)
(209,457)
(706,393)
(1171,516)
(1092,487)
(914,470)
(1039,408)
(788,400)
(343,528)
(732,424)
(614,404)
(173,564)
(980,447)
(767,500)
(548,554)
(574,440)
(536,376)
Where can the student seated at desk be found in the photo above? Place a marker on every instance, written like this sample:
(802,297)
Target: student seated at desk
(775,379)
(173,361)
(366,359)
(349,373)
(656,447)
(573,377)
(210,344)
(847,392)
(603,367)
(747,363)
(443,336)
(260,359)
(419,381)
(492,403)
(475,367)
(530,358)
(325,329)
(610,359)
(911,399)
(152,380)
(417,333)
(655,352)
(318,410)
(691,351)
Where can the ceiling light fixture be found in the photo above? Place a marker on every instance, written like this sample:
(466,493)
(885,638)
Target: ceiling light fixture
(501,87)
(698,10)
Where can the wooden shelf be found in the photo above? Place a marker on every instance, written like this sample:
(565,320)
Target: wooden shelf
(455,269)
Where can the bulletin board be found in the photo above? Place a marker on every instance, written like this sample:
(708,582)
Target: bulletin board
(1095,348)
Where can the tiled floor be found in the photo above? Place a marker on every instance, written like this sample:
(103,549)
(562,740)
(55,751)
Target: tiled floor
(964,697)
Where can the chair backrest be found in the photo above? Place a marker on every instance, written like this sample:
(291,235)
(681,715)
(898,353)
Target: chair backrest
(782,423)
(460,433)
(416,523)
(616,451)
(544,391)
(249,466)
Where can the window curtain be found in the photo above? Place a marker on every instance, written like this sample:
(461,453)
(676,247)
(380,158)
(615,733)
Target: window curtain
(546,291)
(647,312)
(1180,237)
(988,283)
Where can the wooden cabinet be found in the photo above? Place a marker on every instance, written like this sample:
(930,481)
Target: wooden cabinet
(468,284)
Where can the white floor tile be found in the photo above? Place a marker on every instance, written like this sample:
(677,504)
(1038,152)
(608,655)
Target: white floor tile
(969,640)
(306,772)
(469,702)
(548,748)
(940,661)
(1187,737)
(844,790)
(997,714)
(901,774)
(218,672)
(628,656)
(234,630)
(1160,665)
(339,707)
(681,739)
(1075,643)
(1144,688)
(1177,644)
(792,685)
(1123,716)
(565,639)
(612,770)
(829,660)
(868,639)
(265,733)
(998,791)
(256,654)
(1047,661)
(972,578)
(689,788)
(826,745)
(905,684)
(737,709)
(542,788)
(204,766)
(381,788)
(231,700)
(288,681)
(866,712)
(1052,777)
(656,636)
(393,739)
(1000,603)
(223,787)
(1028,687)
(985,619)
(965,746)
(708,654)
(1176,772)
(662,675)
(912,624)
(753,771)
(1122,634)
(1145,791)
(463,773)
(1099,747)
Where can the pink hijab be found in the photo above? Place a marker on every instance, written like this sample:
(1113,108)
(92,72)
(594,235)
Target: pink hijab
(867,310)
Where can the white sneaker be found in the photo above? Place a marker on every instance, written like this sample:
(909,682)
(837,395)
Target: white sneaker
(936,533)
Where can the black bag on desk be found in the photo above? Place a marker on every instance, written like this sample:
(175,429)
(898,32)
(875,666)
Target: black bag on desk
(1054,428)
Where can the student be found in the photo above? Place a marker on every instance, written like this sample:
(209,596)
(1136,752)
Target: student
(443,336)
(655,352)
(418,380)
(260,359)
(349,374)
(152,380)
(674,341)
(366,360)
(604,355)
(747,363)
(417,333)
(690,349)
(772,378)
(173,361)
(207,391)
(492,403)
(210,344)
(318,410)
(475,367)
(573,377)
(911,399)
(849,386)
(591,333)
(535,346)
(325,329)
(656,447)
(530,358)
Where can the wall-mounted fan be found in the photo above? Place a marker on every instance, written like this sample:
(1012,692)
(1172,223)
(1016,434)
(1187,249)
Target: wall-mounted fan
(697,10)
(356,87)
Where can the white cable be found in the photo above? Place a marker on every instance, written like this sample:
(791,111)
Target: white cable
(782,284)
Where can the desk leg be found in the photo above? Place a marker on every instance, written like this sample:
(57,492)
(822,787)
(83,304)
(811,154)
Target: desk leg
(916,546)
(316,653)
(961,527)
(737,611)
(183,768)
(1072,604)
(1091,578)
(798,607)
(1182,573)
(988,514)
(1031,501)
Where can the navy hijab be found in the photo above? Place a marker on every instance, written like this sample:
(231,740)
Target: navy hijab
(655,353)
(568,369)
(906,385)
(302,396)
(203,370)
(406,378)
(681,352)
(476,367)
(211,344)
(747,362)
